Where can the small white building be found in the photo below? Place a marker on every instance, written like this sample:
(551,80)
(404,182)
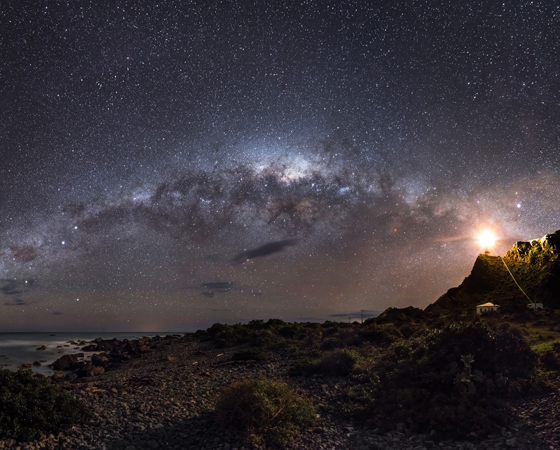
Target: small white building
(535,306)
(486,307)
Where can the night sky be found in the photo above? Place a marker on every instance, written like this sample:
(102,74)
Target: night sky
(146,148)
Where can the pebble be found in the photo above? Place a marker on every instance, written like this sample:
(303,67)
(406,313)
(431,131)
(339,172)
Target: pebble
(165,400)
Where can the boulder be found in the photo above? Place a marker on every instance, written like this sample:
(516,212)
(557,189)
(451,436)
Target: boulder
(90,372)
(106,346)
(83,365)
(66,362)
(90,348)
(99,360)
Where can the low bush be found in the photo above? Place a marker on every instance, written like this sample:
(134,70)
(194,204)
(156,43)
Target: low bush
(330,344)
(304,366)
(338,362)
(453,380)
(550,360)
(30,405)
(380,335)
(265,411)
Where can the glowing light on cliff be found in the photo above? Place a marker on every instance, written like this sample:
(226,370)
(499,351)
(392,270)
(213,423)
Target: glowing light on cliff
(486,239)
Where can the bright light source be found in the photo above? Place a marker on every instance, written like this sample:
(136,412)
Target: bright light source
(486,239)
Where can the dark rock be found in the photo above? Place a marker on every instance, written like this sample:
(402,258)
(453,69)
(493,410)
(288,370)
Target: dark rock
(90,348)
(106,346)
(42,347)
(100,360)
(65,362)
(83,368)
(71,376)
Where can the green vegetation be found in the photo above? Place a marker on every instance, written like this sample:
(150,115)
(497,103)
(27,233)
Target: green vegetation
(340,362)
(265,411)
(444,368)
(535,253)
(454,380)
(274,334)
(30,405)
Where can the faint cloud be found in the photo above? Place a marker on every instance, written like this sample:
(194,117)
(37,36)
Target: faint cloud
(16,302)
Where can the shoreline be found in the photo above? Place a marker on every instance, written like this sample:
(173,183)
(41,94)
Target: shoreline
(164,399)
(38,350)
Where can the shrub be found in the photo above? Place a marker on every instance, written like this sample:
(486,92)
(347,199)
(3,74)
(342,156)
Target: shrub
(330,328)
(349,339)
(265,411)
(550,360)
(407,330)
(288,331)
(267,339)
(453,380)
(338,362)
(504,326)
(380,335)
(30,405)
(330,344)
(304,366)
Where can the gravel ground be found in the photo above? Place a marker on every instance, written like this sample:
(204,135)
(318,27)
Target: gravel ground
(165,400)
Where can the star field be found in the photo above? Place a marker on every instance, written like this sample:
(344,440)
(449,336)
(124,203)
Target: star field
(144,145)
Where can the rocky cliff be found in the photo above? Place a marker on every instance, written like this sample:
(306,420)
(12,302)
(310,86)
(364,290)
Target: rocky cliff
(534,265)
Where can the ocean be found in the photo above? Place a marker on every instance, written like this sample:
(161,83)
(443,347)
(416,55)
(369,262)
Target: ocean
(21,348)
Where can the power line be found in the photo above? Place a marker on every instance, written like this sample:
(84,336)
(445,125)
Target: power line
(513,278)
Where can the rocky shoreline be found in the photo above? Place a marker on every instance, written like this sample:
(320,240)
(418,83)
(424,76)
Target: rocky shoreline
(159,393)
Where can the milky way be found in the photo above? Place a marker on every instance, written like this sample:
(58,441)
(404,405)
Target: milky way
(145,147)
